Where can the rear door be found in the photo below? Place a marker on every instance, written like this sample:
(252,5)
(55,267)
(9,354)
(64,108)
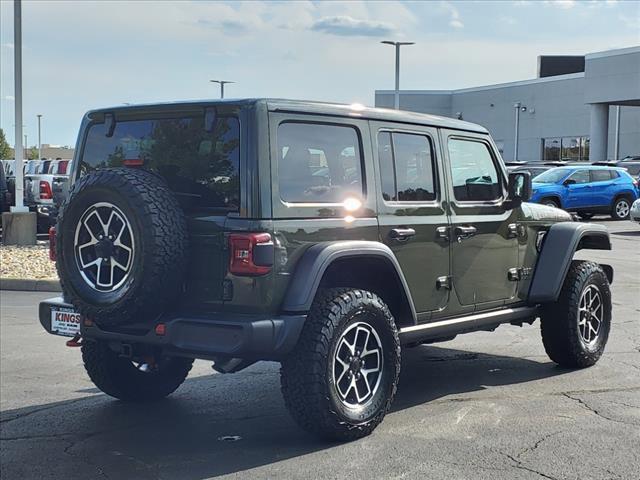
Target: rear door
(484,232)
(200,162)
(602,186)
(411,212)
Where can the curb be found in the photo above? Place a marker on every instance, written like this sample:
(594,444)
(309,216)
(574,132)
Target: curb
(30,285)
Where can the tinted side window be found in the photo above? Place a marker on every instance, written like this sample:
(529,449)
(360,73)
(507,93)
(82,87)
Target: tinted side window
(474,174)
(581,176)
(200,167)
(318,163)
(406,167)
(600,175)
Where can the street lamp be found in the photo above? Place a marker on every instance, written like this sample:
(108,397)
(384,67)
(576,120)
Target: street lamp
(518,107)
(396,98)
(222,84)
(39,138)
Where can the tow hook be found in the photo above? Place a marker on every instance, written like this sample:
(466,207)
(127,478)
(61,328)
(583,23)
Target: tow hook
(75,341)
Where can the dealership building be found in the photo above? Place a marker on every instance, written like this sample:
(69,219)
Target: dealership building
(579,108)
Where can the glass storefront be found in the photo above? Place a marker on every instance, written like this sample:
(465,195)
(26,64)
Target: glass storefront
(568,149)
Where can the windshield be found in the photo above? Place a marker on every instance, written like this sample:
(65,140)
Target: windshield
(551,176)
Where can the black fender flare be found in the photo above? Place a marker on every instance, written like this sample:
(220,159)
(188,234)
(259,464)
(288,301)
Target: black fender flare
(560,243)
(315,261)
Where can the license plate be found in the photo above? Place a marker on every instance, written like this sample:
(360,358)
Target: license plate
(65,322)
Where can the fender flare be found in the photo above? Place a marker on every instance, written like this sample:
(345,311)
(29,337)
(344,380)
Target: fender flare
(560,243)
(315,261)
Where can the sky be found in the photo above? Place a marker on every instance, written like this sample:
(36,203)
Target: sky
(83,55)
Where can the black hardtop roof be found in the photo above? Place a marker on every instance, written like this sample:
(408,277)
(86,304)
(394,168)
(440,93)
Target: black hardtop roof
(313,107)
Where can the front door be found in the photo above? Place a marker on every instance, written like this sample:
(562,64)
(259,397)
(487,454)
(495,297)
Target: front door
(580,190)
(484,248)
(412,219)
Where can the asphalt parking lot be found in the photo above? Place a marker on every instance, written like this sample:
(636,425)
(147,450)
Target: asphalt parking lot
(485,405)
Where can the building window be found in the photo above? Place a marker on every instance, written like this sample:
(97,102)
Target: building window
(568,149)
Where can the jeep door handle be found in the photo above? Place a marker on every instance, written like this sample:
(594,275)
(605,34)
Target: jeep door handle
(465,232)
(401,234)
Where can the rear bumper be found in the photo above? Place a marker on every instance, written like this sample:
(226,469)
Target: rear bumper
(212,336)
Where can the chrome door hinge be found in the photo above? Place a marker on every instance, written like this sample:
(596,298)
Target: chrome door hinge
(443,283)
(512,230)
(516,274)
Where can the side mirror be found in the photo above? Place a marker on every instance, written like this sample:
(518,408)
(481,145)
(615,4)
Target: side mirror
(519,188)
(568,182)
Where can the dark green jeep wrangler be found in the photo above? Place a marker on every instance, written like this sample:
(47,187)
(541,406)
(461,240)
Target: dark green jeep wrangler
(325,237)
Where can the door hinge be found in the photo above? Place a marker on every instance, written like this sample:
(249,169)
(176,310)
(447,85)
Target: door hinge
(516,274)
(443,283)
(512,230)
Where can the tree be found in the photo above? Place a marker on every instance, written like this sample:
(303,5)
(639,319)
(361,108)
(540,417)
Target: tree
(5,149)
(32,153)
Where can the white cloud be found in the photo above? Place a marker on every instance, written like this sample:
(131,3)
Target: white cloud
(345,25)
(455,20)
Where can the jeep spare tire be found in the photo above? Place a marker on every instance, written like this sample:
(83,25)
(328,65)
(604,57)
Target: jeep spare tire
(121,246)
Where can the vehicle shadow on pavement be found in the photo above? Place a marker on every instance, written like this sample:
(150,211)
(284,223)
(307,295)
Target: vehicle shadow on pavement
(217,424)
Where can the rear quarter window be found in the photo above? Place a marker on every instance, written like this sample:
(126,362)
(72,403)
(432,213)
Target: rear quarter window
(201,167)
(318,163)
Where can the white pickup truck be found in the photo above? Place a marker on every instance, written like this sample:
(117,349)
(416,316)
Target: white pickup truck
(46,187)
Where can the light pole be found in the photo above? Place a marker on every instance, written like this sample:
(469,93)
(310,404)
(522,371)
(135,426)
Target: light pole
(396,96)
(17,73)
(39,138)
(518,106)
(222,84)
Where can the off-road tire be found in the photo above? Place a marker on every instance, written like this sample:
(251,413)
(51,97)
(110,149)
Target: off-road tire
(559,321)
(306,379)
(614,209)
(119,377)
(161,242)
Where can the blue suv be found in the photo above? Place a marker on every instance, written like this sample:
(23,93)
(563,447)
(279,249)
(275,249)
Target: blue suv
(587,190)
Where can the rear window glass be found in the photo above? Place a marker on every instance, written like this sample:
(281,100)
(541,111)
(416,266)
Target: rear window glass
(200,167)
(601,175)
(318,163)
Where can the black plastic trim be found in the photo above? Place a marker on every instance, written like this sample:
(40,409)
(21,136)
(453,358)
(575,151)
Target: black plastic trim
(211,336)
(560,243)
(313,264)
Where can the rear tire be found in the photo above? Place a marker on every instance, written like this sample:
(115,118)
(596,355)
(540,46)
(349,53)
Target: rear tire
(329,381)
(121,378)
(575,329)
(621,208)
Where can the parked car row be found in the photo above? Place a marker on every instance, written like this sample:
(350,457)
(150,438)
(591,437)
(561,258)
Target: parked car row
(46,185)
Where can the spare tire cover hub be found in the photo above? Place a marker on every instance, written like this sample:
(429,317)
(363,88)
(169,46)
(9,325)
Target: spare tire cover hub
(104,247)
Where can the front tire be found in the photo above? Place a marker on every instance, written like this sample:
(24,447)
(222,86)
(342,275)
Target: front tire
(575,329)
(133,382)
(341,378)
(550,202)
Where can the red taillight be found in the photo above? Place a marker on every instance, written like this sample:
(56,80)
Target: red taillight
(133,162)
(45,190)
(52,244)
(250,254)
